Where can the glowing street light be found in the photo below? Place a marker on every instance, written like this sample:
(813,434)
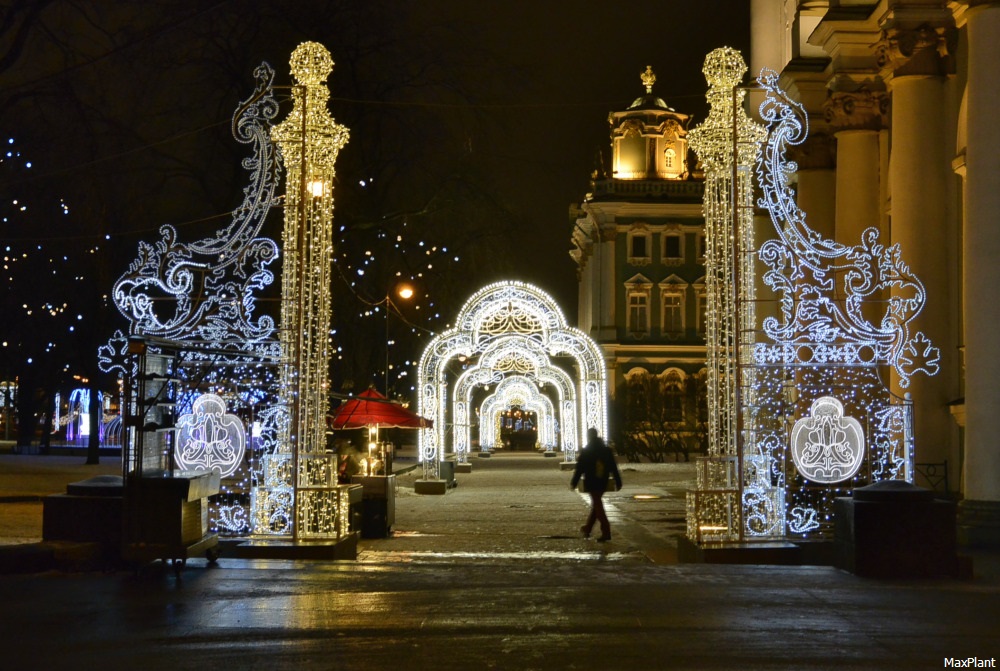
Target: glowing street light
(405,292)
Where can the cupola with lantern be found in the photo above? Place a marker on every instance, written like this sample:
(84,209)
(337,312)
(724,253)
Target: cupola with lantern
(649,139)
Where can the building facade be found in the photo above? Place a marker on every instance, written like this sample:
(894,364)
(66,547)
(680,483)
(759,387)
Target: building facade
(638,242)
(900,96)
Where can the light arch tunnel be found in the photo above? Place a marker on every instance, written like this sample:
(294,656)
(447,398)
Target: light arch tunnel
(511,343)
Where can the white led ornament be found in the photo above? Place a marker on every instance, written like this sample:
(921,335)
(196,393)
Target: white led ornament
(826,446)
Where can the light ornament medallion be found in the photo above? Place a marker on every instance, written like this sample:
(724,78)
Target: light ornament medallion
(210,438)
(826,446)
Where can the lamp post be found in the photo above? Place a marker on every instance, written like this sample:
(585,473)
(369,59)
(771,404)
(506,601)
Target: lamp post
(405,292)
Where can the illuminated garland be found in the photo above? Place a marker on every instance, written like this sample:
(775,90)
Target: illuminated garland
(512,329)
(729,293)
(309,141)
(200,296)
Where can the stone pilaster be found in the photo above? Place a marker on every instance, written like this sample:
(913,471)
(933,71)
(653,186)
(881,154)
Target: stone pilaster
(979,513)
(608,286)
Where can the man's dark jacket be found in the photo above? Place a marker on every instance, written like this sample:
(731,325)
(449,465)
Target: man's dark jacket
(596,463)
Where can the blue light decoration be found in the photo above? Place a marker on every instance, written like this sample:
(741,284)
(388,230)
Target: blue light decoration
(78,415)
(210,438)
(814,415)
(200,298)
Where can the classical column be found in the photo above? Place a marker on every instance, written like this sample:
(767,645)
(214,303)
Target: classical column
(856,118)
(923,224)
(816,182)
(979,520)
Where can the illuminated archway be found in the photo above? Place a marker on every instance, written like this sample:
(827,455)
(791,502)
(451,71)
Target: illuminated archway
(504,330)
(519,391)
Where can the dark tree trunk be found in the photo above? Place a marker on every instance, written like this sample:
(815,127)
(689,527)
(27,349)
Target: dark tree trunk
(96,415)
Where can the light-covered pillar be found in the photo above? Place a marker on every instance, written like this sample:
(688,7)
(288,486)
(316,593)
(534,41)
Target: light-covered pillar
(920,176)
(979,519)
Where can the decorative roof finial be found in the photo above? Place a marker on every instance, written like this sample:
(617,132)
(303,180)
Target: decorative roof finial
(648,78)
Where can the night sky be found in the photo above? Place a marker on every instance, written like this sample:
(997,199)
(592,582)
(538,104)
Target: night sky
(576,62)
(473,125)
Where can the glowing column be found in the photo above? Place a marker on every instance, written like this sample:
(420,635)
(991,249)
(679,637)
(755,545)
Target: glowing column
(729,279)
(980,511)
(309,141)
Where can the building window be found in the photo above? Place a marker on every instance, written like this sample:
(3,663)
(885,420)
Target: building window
(639,248)
(669,157)
(673,249)
(702,248)
(673,314)
(638,314)
(673,396)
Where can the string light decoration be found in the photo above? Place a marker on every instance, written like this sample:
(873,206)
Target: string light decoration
(210,438)
(729,278)
(510,329)
(204,291)
(199,298)
(814,417)
(309,141)
(827,447)
(522,392)
(78,415)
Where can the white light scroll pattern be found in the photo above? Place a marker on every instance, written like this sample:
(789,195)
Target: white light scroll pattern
(824,284)
(210,438)
(518,329)
(483,374)
(204,290)
(827,447)
(467,383)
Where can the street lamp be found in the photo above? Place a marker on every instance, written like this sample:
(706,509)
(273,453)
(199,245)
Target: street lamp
(404,291)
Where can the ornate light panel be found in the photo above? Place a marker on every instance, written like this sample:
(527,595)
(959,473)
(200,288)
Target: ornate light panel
(803,411)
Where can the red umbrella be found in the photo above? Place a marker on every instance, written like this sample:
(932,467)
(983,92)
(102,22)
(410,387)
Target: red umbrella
(370,408)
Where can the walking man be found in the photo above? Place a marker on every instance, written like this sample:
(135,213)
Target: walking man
(596,463)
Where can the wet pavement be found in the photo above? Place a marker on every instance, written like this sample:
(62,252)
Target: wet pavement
(494,575)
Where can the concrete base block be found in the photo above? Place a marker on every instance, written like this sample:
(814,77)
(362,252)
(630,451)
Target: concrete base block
(762,553)
(433,487)
(979,524)
(567,466)
(345,548)
(893,529)
(550,454)
(463,468)
(485,455)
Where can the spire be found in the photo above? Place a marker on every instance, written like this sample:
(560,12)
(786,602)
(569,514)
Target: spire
(648,79)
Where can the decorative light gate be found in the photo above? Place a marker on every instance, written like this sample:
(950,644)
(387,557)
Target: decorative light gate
(511,330)
(802,410)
